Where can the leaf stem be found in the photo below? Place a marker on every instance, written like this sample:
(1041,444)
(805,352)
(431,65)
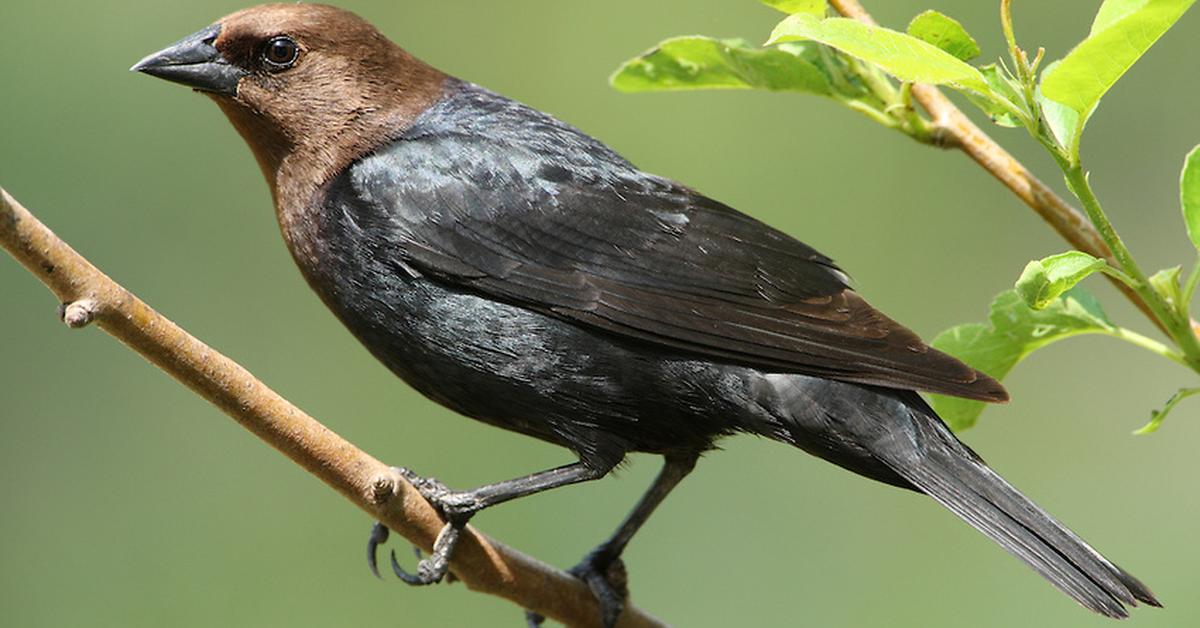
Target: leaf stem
(876,82)
(1118,274)
(897,103)
(1077,180)
(836,71)
(1150,344)
(1020,61)
(1178,327)
(1189,289)
(1156,417)
(872,113)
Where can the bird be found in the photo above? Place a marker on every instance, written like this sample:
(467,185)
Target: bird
(522,273)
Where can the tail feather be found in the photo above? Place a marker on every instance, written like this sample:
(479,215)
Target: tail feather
(938,464)
(893,436)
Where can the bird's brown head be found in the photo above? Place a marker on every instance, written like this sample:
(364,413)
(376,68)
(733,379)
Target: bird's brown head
(310,87)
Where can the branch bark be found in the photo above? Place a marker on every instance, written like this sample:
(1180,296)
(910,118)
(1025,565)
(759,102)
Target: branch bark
(484,565)
(959,132)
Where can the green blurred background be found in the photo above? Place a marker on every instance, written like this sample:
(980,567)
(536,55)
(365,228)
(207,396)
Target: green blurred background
(128,501)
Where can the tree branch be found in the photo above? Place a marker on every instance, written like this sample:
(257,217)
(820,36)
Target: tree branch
(957,131)
(483,565)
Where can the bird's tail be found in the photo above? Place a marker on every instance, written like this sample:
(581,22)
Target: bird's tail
(896,437)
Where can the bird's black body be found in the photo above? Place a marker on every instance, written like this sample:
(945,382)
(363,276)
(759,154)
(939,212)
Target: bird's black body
(415,236)
(499,360)
(425,248)
(520,272)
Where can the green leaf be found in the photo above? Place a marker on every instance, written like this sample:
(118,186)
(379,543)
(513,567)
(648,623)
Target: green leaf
(903,56)
(1014,331)
(1166,283)
(944,32)
(1002,104)
(812,7)
(1157,416)
(1124,30)
(1113,11)
(1189,195)
(706,63)
(1062,120)
(1044,280)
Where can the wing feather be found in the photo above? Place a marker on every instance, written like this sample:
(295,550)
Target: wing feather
(641,257)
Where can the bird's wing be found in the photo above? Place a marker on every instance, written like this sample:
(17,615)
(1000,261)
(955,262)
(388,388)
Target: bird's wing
(640,257)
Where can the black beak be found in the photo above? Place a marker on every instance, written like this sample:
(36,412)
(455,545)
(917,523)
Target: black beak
(195,62)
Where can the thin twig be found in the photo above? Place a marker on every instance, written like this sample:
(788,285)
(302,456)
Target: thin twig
(89,295)
(951,123)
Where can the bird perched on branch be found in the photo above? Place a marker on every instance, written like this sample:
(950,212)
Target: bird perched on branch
(522,273)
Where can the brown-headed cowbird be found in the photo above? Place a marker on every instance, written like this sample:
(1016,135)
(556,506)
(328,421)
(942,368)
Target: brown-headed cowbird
(522,273)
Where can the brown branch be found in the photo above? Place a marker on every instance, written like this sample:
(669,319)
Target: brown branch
(957,131)
(482,564)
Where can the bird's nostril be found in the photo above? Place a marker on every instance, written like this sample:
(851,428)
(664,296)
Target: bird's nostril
(210,34)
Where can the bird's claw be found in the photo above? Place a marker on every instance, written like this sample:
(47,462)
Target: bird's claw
(379,536)
(434,568)
(607,579)
(455,507)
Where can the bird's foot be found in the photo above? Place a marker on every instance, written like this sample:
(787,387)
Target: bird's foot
(435,567)
(605,575)
(456,508)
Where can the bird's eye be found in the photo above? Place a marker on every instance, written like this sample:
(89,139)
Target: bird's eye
(280,53)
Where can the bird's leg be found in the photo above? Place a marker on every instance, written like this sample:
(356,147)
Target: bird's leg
(457,508)
(596,568)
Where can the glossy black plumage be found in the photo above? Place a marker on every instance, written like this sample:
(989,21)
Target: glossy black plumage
(520,272)
(474,256)
(517,206)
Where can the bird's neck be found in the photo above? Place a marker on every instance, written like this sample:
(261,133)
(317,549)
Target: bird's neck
(298,163)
